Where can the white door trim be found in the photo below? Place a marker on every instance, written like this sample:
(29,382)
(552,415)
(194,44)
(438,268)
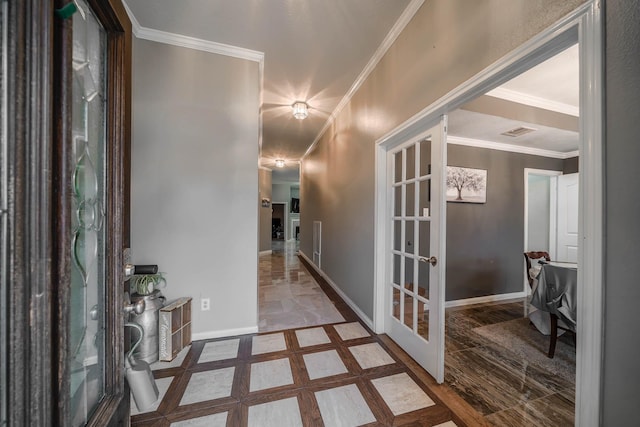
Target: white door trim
(590,335)
(585,23)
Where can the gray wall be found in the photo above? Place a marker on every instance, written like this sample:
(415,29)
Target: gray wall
(485,241)
(264,180)
(195,181)
(538,213)
(570,165)
(622,229)
(430,57)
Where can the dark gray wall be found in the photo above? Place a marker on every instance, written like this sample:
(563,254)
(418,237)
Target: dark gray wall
(622,226)
(538,214)
(485,241)
(570,165)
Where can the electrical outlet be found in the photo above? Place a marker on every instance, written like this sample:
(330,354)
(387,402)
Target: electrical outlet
(205,304)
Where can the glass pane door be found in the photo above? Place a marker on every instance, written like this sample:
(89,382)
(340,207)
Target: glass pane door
(88,252)
(416,255)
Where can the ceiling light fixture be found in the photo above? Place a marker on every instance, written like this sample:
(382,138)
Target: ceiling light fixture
(300,110)
(280,163)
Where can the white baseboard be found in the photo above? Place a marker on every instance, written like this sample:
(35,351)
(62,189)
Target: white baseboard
(335,287)
(484,299)
(224,333)
(268,252)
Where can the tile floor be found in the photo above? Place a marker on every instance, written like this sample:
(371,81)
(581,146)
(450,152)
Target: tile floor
(289,297)
(341,374)
(332,375)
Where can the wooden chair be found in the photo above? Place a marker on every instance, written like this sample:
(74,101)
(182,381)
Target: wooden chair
(528,256)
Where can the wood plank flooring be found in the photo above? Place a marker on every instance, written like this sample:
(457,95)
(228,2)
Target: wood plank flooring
(501,383)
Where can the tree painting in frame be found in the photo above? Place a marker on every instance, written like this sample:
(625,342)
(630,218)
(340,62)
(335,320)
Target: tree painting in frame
(465,185)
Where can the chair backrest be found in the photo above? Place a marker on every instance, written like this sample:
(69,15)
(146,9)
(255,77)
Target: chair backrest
(528,256)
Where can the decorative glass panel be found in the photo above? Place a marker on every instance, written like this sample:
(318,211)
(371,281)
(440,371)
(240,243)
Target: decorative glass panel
(87,322)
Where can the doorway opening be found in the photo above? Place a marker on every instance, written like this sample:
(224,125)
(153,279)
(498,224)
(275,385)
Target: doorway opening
(278,222)
(584,24)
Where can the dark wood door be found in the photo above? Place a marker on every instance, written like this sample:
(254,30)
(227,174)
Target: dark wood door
(65,139)
(93,228)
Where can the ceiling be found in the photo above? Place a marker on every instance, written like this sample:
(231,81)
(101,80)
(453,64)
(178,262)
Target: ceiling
(315,51)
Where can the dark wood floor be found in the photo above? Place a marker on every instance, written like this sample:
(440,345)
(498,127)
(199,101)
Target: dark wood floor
(513,385)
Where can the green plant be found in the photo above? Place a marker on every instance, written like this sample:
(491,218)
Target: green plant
(145,284)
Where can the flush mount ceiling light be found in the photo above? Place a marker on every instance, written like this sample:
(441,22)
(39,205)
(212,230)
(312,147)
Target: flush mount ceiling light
(300,110)
(280,163)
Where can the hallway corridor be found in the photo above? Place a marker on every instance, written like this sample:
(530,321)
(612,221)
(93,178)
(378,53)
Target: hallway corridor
(289,297)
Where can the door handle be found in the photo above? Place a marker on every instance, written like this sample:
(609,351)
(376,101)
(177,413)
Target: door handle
(129,307)
(431,260)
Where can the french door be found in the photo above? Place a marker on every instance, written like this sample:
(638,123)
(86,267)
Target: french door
(415,276)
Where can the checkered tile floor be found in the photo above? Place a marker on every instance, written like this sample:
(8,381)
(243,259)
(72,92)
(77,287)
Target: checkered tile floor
(332,375)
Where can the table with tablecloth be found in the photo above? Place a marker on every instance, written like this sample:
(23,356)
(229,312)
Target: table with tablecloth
(555,291)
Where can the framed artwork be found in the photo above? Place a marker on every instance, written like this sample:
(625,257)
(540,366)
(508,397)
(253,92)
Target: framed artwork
(465,185)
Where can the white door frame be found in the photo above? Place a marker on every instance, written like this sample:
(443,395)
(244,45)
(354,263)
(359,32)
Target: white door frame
(552,208)
(583,24)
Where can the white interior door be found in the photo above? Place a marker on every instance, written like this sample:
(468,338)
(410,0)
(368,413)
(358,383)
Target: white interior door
(567,241)
(415,279)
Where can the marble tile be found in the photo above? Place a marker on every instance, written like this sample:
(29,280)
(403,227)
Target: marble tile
(270,307)
(219,350)
(447,424)
(313,336)
(177,361)
(208,385)
(351,331)
(401,393)
(269,374)
(215,420)
(290,298)
(344,407)
(268,343)
(324,364)
(371,355)
(163,385)
(279,413)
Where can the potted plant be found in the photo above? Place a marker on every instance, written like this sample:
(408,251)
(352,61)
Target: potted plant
(145,284)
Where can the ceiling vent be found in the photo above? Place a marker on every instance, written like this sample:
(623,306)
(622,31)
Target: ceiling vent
(519,131)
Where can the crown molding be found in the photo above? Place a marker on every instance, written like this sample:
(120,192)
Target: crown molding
(199,44)
(458,140)
(191,42)
(391,37)
(534,101)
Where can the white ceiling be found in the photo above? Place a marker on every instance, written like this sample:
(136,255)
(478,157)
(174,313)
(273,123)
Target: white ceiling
(315,51)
